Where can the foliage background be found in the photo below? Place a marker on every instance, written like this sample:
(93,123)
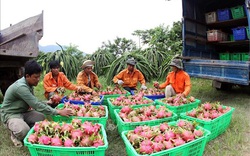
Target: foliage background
(158,46)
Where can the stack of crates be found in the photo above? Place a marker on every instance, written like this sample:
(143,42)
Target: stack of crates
(240,56)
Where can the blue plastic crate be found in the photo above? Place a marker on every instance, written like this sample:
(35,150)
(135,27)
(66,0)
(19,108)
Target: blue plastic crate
(239,33)
(224,14)
(154,97)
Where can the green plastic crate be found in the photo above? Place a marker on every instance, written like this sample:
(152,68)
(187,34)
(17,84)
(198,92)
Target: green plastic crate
(105,100)
(113,107)
(244,56)
(231,36)
(248,34)
(193,148)
(237,12)
(216,126)
(182,108)
(102,120)
(235,56)
(44,150)
(224,56)
(124,126)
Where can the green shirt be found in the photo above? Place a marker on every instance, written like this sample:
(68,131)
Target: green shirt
(19,98)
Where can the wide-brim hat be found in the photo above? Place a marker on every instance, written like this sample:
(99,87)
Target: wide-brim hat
(87,63)
(177,63)
(131,61)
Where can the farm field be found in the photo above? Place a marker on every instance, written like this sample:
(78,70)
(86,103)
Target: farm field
(235,141)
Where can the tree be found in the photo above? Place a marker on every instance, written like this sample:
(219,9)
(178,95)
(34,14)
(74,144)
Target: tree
(119,46)
(102,58)
(69,58)
(161,45)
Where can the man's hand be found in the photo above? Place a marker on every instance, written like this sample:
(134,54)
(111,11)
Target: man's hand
(79,89)
(94,93)
(99,87)
(156,85)
(143,87)
(50,102)
(120,82)
(65,112)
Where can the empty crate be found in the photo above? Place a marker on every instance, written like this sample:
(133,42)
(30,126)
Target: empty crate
(223,14)
(211,17)
(239,33)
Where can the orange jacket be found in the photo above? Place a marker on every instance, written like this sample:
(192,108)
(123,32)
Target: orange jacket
(82,80)
(130,80)
(50,84)
(180,81)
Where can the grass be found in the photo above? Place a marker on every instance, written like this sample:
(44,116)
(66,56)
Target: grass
(234,141)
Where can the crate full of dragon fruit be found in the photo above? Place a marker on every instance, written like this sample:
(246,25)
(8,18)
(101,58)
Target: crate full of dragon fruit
(86,112)
(134,101)
(212,116)
(128,118)
(177,138)
(76,98)
(179,104)
(48,138)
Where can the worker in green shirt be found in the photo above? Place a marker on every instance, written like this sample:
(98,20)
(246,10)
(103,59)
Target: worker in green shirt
(16,112)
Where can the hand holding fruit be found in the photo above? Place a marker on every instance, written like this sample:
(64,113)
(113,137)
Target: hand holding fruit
(55,99)
(99,87)
(156,85)
(64,112)
(94,92)
(143,87)
(79,89)
(120,82)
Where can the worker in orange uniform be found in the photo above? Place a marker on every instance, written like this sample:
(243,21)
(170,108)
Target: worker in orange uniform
(177,81)
(129,77)
(55,81)
(87,79)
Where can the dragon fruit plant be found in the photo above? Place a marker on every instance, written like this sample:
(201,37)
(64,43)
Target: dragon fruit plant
(74,134)
(208,111)
(148,140)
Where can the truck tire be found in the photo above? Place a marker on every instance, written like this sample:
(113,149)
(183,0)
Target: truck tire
(222,85)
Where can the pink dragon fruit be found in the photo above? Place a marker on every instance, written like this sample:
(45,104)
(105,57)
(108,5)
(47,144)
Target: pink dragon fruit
(68,143)
(56,141)
(33,138)
(44,140)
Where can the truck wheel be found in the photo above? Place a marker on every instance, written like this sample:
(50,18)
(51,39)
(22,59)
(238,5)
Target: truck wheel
(222,85)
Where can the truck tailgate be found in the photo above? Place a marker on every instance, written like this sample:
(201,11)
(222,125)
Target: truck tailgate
(236,72)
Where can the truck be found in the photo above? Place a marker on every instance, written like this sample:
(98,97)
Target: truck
(216,41)
(18,44)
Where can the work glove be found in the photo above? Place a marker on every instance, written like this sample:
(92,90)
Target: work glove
(120,82)
(60,90)
(143,87)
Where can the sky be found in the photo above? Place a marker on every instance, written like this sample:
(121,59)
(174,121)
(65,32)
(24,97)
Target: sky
(89,23)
